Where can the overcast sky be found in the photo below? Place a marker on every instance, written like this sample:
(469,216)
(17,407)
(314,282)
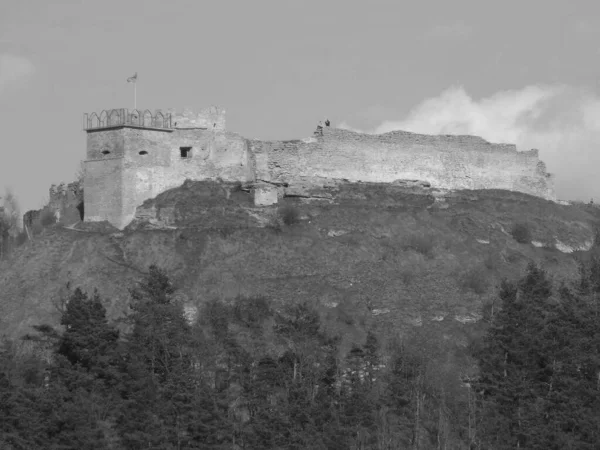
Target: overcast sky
(511,71)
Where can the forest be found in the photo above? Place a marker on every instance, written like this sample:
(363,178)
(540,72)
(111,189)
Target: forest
(250,375)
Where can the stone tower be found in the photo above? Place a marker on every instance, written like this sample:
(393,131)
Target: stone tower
(135,155)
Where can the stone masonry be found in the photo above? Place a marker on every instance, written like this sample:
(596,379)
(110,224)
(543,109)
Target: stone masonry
(128,164)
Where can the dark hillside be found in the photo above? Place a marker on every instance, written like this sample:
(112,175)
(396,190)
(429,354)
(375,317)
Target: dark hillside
(383,256)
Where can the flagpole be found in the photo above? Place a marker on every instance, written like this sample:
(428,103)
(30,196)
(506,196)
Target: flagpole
(133,80)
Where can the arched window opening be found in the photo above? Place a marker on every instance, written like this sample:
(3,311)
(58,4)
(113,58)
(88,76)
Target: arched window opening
(143,152)
(105,152)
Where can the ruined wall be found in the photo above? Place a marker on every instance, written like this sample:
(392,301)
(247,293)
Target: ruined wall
(64,200)
(447,162)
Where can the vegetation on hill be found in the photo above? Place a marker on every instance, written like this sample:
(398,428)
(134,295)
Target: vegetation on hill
(375,255)
(353,321)
(248,376)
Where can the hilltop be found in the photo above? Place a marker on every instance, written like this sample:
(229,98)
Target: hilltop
(377,256)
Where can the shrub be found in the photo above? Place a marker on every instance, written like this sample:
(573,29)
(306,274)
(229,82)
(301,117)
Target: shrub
(80,208)
(512,256)
(491,261)
(225,232)
(548,243)
(237,187)
(407,276)
(475,279)
(421,243)
(252,311)
(289,214)
(596,243)
(47,218)
(21,238)
(274,224)
(36,228)
(521,233)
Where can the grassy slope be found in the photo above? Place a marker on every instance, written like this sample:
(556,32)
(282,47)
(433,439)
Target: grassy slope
(381,256)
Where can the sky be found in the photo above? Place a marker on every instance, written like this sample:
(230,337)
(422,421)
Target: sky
(523,72)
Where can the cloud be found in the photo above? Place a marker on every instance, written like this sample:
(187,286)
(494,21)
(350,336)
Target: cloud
(457,30)
(563,122)
(14,68)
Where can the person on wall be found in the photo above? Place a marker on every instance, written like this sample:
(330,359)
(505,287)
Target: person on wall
(320,128)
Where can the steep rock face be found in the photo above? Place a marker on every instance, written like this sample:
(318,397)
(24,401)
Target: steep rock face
(384,255)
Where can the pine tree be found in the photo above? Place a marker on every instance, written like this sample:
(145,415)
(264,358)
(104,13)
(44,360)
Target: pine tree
(534,392)
(67,400)
(169,403)
(88,340)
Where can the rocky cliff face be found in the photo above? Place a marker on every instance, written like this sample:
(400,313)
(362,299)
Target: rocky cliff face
(367,254)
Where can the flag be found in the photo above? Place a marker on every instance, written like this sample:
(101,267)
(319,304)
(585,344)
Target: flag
(132,79)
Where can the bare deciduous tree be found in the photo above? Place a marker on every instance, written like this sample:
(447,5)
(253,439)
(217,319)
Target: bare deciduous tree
(10,220)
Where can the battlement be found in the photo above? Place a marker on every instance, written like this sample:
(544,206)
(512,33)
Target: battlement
(211,118)
(124,117)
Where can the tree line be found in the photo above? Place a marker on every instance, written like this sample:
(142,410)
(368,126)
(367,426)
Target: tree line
(247,375)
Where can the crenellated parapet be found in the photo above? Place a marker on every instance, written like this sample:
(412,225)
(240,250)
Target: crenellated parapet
(211,118)
(123,117)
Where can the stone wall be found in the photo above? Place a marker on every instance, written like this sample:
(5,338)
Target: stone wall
(64,201)
(105,144)
(128,165)
(447,162)
(103,191)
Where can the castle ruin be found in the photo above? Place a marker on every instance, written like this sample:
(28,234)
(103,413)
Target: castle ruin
(135,155)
